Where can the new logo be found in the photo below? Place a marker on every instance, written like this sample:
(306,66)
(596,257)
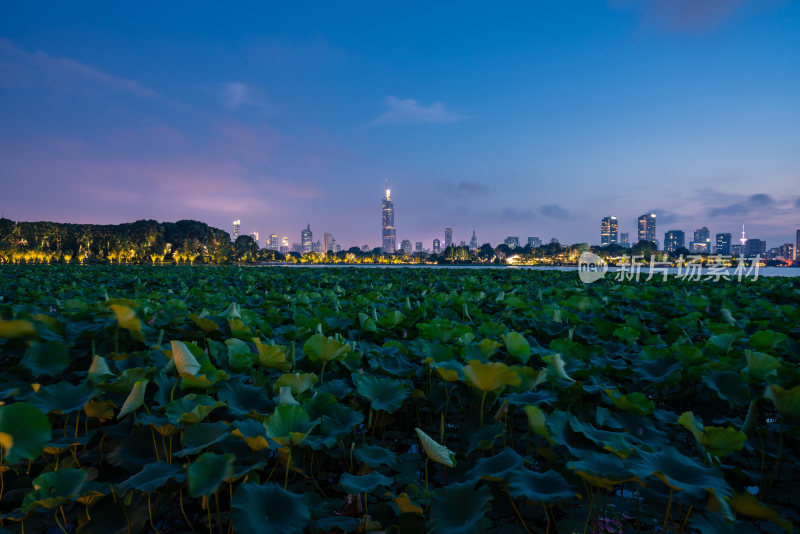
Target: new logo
(591,267)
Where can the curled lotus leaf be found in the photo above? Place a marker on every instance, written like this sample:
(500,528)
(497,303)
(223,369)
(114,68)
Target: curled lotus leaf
(786,401)
(184,360)
(135,398)
(321,348)
(436,451)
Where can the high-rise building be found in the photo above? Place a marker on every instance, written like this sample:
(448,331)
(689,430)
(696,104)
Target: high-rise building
(327,243)
(284,245)
(797,246)
(534,242)
(418,246)
(701,244)
(306,240)
(448,237)
(237,227)
(437,246)
(723,244)
(512,241)
(405,246)
(609,231)
(647,227)
(254,235)
(755,247)
(554,241)
(786,252)
(624,240)
(673,240)
(388,231)
(473,243)
(272,244)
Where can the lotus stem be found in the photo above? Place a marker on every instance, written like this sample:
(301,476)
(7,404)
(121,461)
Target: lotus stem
(322,373)
(427,495)
(685,519)
(547,516)
(219,518)
(186,517)
(208,513)
(150,514)
(483,400)
(667,516)
(519,516)
(58,523)
(288,463)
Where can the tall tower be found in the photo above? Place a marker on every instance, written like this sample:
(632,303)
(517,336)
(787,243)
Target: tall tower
(306,239)
(647,227)
(237,227)
(473,243)
(388,231)
(743,239)
(448,237)
(608,231)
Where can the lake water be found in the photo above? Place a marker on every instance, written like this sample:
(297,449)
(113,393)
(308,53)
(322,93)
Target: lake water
(762,271)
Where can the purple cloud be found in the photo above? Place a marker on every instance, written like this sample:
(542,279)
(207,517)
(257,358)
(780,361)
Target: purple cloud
(410,111)
(555,211)
(22,69)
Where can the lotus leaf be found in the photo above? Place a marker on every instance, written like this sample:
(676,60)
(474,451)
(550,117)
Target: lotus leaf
(206,473)
(268,509)
(460,509)
(24,431)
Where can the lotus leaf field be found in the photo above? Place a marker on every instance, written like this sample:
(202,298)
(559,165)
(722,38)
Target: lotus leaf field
(277,400)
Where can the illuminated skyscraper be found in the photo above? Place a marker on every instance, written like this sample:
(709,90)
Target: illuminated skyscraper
(405,245)
(647,227)
(306,240)
(723,244)
(437,245)
(284,245)
(473,243)
(237,227)
(448,237)
(673,240)
(608,231)
(388,231)
(273,242)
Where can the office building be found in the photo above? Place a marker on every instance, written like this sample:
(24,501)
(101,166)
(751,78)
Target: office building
(737,250)
(254,235)
(554,241)
(624,240)
(272,244)
(723,244)
(755,247)
(327,243)
(237,227)
(388,231)
(786,252)
(534,242)
(512,241)
(437,246)
(405,246)
(701,244)
(609,231)
(797,246)
(306,240)
(473,243)
(448,237)
(673,240)
(647,227)
(285,245)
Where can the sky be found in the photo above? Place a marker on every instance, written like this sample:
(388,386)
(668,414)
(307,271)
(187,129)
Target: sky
(522,118)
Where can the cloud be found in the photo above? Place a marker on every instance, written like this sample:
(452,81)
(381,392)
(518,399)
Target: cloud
(22,69)
(511,214)
(555,211)
(235,95)
(689,15)
(665,217)
(751,203)
(410,111)
(464,188)
(797,203)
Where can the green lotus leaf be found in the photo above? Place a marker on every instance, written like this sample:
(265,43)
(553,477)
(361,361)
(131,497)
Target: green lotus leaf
(298,383)
(517,346)
(339,388)
(442,330)
(391,319)
(620,443)
(786,401)
(337,422)
(496,468)
(490,376)
(561,432)
(721,342)
(450,371)
(243,399)
(545,487)
(191,408)
(239,329)
(55,488)
(24,431)
(460,509)
(272,356)
(268,509)
(202,435)
(322,348)
(98,371)
(555,367)
(715,440)
(767,339)
(232,311)
(747,505)
(207,325)
(135,398)
(48,358)
(373,455)
(601,470)
(126,318)
(63,397)
(366,323)
(289,425)
(679,472)
(152,477)
(729,385)
(488,347)
(185,362)
(15,329)
(435,451)
(760,366)
(205,474)
(635,402)
(386,394)
(285,397)
(537,421)
(252,433)
(353,484)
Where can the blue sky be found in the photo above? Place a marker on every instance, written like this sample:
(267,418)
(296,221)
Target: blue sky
(525,119)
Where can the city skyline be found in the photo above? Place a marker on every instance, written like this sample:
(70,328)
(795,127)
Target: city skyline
(275,114)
